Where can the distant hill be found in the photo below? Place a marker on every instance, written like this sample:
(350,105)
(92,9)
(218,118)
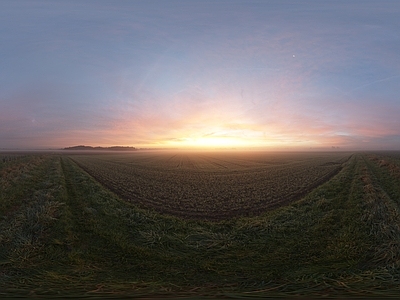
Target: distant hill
(113,148)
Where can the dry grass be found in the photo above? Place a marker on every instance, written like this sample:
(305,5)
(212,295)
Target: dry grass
(68,236)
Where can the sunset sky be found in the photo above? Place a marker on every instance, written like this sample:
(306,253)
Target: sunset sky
(243,74)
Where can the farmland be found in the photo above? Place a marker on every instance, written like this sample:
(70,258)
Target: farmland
(214,185)
(263,224)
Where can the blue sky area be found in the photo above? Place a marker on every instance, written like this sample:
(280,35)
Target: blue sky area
(194,74)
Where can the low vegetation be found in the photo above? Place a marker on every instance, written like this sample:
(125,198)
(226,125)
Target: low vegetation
(62,233)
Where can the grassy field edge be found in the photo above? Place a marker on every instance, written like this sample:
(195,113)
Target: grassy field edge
(86,241)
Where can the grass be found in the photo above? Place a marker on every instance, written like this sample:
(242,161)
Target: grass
(63,234)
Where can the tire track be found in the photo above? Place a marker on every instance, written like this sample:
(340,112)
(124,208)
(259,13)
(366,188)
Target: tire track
(382,216)
(191,193)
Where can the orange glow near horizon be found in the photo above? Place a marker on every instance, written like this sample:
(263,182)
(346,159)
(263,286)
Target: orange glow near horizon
(213,136)
(231,139)
(213,142)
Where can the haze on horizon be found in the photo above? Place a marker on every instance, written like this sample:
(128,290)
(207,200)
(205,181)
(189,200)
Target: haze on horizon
(200,74)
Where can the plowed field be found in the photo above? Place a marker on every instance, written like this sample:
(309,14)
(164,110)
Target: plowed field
(211,186)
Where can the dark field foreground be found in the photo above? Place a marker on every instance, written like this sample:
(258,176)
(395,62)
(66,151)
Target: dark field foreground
(62,233)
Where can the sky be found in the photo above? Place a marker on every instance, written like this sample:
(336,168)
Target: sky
(248,74)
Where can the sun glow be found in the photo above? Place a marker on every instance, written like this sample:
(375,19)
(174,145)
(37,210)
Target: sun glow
(216,142)
(238,139)
(239,135)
